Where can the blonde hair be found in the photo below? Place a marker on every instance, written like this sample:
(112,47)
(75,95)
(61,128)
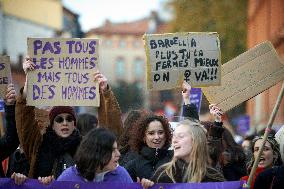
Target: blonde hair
(198,157)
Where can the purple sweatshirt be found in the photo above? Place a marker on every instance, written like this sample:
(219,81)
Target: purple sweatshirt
(118,175)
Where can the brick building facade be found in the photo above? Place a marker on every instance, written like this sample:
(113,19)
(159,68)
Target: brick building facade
(266,22)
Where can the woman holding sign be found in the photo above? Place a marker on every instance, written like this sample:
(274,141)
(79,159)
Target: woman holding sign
(50,153)
(9,142)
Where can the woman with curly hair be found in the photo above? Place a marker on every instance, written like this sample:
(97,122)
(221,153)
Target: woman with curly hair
(126,153)
(150,138)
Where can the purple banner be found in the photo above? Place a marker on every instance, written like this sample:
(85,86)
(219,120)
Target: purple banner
(2,105)
(196,97)
(242,124)
(6,183)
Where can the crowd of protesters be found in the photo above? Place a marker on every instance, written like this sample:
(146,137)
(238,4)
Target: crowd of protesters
(144,149)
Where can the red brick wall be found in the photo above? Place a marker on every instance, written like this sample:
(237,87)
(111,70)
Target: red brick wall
(266,22)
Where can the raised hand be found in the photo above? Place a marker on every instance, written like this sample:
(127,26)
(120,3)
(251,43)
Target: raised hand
(216,112)
(186,88)
(102,80)
(28,65)
(10,96)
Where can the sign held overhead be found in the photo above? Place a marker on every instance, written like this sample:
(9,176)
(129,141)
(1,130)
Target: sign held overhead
(246,76)
(63,72)
(174,57)
(5,75)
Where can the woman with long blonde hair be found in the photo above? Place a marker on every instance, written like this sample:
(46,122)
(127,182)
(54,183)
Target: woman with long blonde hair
(190,161)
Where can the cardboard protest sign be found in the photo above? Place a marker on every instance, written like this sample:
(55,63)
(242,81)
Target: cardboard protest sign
(5,74)
(246,76)
(172,58)
(63,72)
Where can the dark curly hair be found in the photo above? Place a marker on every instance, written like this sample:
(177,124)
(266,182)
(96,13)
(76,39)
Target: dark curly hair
(128,125)
(137,135)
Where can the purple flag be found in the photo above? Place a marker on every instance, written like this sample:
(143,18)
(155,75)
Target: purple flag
(1,105)
(242,124)
(6,183)
(196,97)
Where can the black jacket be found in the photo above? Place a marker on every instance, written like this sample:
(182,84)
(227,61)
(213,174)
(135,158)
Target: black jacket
(190,110)
(270,179)
(18,163)
(127,157)
(10,141)
(147,162)
(212,175)
(56,153)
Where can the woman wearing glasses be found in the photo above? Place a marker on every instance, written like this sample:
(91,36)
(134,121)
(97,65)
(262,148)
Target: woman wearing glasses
(52,152)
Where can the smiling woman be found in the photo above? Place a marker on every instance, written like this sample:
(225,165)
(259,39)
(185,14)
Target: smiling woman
(150,138)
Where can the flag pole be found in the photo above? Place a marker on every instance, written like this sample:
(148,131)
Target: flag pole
(267,130)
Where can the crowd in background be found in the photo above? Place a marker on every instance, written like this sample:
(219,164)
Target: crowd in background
(144,148)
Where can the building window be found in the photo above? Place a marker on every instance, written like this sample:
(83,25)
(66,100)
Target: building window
(108,43)
(136,43)
(120,68)
(122,43)
(138,68)
(20,60)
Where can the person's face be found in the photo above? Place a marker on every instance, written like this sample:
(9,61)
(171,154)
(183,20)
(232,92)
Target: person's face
(155,135)
(246,145)
(266,159)
(113,163)
(63,125)
(182,142)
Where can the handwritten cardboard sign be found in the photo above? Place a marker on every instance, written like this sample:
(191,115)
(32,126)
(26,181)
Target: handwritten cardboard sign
(5,74)
(172,58)
(63,72)
(246,76)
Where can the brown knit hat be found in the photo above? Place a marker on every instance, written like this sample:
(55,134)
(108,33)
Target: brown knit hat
(59,110)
